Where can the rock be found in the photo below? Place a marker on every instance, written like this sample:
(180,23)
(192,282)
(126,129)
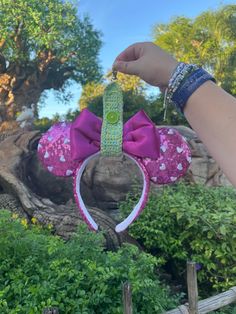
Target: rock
(59,190)
(107,182)
(11,203)
(20,194)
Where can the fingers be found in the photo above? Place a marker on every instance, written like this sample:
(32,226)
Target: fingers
(127,61)
(127,67)
(131,53)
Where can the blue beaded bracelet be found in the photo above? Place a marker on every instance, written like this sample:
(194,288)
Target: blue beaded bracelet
(188,87)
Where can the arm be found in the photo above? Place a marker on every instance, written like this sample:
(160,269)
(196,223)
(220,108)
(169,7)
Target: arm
(212,114)
(209,110)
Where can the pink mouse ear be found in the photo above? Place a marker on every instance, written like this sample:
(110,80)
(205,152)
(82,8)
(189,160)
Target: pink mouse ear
(54,150)
(174,159)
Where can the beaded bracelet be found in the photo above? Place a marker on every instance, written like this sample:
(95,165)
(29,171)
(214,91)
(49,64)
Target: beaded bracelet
(188,86)
(183,82)
(178,76)
(182,73)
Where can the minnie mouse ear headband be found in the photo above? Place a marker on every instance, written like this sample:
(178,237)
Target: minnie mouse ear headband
(161,154)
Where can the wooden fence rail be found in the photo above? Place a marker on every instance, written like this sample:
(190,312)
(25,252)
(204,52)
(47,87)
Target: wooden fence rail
(210,304)
(204,306)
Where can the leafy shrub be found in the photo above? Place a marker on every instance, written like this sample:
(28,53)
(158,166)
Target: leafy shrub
(231,309)
(191,223)
(38,270)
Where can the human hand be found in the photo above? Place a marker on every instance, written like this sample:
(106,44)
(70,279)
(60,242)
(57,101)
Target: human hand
(148,61)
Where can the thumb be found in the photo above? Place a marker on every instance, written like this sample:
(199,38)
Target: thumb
(126,67)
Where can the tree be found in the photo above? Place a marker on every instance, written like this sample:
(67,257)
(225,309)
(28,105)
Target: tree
(93,90)
(208,40)
(133,93)
(43,45)
(135,99)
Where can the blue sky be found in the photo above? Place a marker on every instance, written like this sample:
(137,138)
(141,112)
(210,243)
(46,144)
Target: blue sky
(123,22)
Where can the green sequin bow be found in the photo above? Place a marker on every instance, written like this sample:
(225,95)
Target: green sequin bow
(112,126)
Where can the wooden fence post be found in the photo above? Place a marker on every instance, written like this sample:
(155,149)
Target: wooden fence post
(192,287)
(127,298)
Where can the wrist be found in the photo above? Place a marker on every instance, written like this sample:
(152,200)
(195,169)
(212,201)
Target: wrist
(170,70)
(185,80)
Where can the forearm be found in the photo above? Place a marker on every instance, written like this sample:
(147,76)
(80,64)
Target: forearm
(210,110)
(212,114)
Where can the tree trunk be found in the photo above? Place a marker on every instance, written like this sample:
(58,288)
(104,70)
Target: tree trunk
(22,190)
(17,90)
(22,84)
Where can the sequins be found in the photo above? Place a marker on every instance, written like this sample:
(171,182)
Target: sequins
(62,158)
(55,153)
(163,148)
(162,166)
(69,172)
(66,141)
(174,158)
(179,149)
(180,167)
(46,155)
(171,131)
(154,179)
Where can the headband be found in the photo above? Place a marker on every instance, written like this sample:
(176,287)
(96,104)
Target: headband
(161,154)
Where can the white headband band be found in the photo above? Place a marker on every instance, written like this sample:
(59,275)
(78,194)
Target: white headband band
(136,210)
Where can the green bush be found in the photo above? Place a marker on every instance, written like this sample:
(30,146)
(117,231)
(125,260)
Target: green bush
(191,223)
(38,270)
(43,124)
(231,309)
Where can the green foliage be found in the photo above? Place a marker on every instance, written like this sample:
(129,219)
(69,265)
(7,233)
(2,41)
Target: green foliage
(135,99)
(43,124)
(155,110)
(94,90)
(49,35)
(191,223)
(209,40)
(226,310)
(132,104)
(38,270)
(70,115)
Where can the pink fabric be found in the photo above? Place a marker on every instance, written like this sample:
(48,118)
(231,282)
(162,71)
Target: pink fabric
(54,150)
(139,136)
(162,153)
(174,160)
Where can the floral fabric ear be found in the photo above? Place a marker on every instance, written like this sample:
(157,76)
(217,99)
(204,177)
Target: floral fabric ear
(161,154)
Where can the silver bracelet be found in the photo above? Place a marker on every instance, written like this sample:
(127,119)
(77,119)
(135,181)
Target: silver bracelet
(180,73)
